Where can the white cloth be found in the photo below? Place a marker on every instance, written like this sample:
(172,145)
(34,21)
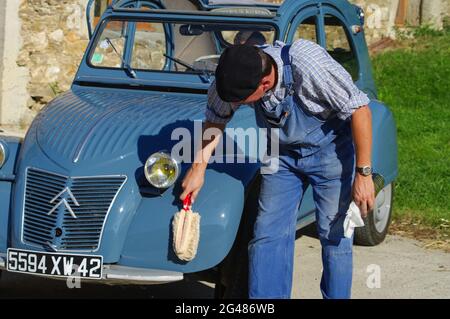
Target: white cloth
(352,220)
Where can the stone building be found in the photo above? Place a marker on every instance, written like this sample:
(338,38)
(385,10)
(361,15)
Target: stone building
(42,42)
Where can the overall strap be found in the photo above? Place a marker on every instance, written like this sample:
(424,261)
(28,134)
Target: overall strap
(288,78)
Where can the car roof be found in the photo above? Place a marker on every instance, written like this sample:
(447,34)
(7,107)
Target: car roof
(239,2)
(209,6)
(264,10)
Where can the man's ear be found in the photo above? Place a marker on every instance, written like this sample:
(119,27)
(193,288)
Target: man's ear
(266,83)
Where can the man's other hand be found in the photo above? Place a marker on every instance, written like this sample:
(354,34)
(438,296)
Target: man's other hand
(364,193)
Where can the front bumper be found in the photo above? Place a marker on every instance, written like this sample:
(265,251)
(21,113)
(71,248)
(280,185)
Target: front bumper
(116,274)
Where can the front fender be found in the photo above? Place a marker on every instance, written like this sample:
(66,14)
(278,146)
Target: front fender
(220,204)
(7,176)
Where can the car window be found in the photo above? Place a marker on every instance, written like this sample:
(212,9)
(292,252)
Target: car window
(109,49)
(339,46)
(307,30)
(172,47)
(251,37)
(149,46)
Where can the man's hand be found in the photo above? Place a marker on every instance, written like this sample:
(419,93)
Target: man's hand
(364,193)
(195,176)
(193,181)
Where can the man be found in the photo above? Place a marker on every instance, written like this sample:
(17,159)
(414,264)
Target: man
(323,120)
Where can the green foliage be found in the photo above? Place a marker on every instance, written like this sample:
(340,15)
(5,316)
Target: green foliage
(424,30)
(427,30)
(415,83)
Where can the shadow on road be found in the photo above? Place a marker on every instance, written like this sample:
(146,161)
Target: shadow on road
(308,231)
(17,286)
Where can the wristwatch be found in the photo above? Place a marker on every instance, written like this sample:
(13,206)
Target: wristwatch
(365,170)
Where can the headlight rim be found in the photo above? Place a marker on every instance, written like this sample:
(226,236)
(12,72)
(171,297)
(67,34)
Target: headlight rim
(4,150)
(173,160)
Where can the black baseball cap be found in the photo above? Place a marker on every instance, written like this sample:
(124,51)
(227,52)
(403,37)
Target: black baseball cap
(238,73)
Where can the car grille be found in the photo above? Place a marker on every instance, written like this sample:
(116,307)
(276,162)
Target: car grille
(91,201)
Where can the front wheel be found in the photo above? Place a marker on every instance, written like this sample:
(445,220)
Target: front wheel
(377,222)
(232,280)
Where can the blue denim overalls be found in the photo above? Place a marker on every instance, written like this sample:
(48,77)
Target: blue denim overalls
(313,152)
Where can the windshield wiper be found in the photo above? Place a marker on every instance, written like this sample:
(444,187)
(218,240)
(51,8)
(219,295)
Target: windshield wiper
(205,74)
(126,65)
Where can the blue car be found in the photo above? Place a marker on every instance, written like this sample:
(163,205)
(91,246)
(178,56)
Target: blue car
(95,182)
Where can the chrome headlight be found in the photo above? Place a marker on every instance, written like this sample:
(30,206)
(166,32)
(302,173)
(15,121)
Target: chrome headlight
(2,154)
(161,170)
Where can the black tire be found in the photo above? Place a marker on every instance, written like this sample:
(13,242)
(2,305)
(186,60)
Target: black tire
(372,233)
(232,279)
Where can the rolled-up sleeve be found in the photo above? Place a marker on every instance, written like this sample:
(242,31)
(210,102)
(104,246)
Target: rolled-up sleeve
(217,110)
(325,82)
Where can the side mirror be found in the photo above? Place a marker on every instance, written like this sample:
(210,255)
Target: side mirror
(190,29)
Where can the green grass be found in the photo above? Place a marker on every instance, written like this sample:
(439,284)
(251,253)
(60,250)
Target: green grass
(415,82)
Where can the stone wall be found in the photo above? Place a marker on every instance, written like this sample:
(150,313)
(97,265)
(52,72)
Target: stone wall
(14,78)
(379,18)
(2,42)
(54,36)
(382,17)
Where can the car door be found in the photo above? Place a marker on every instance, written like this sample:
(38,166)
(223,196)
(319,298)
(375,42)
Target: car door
(327,27)
(339,42)
(343,38)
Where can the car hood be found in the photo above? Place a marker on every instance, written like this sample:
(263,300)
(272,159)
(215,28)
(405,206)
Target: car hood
(88,126)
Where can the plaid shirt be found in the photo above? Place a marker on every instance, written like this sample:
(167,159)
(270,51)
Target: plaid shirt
(321,84)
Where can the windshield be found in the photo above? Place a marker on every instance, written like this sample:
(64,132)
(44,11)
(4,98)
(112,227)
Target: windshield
(171,47)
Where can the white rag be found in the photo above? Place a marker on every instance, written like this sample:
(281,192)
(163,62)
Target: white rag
(352,220)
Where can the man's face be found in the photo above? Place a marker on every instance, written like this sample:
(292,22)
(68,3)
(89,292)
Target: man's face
(255,96)
(267,83)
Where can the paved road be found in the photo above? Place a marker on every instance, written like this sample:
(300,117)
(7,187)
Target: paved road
(398,268)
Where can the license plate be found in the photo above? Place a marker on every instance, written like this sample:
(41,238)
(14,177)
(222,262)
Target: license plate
(54,264)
